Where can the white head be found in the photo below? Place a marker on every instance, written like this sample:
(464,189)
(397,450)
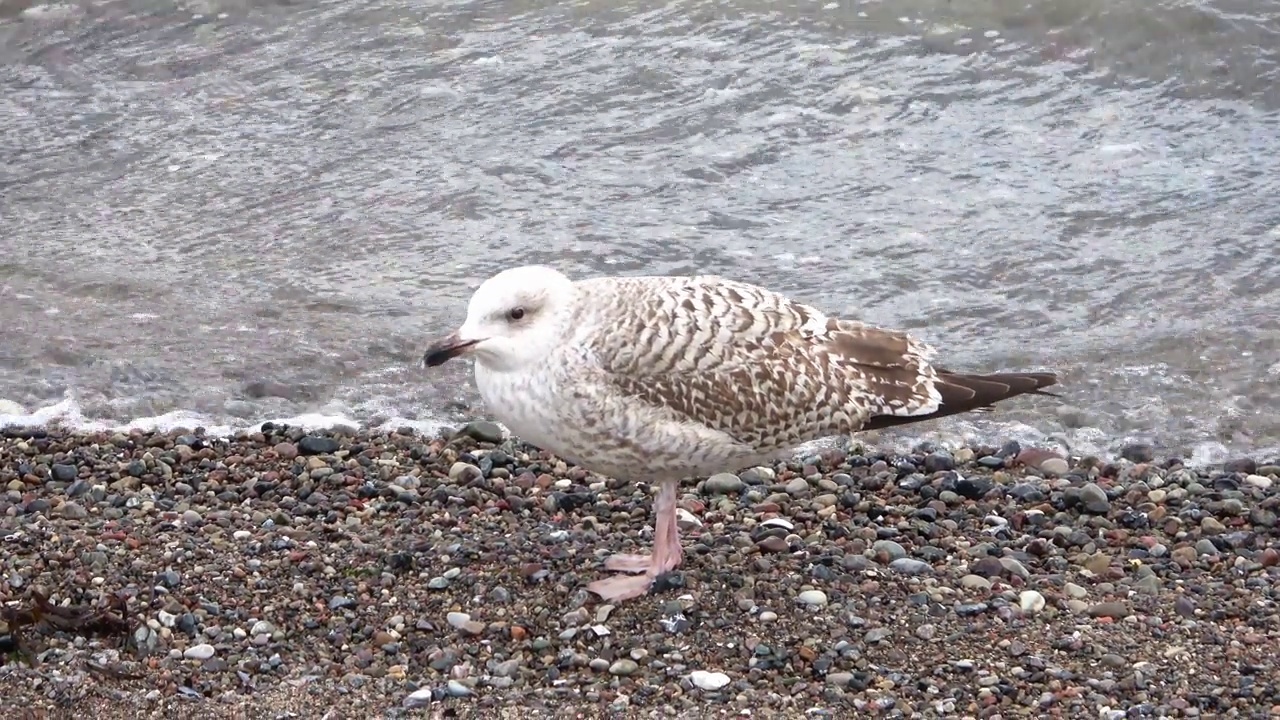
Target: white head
(514,319)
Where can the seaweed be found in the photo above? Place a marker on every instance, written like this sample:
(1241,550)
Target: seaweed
(42,616)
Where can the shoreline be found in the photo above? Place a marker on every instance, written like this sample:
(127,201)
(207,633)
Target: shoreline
(400,575)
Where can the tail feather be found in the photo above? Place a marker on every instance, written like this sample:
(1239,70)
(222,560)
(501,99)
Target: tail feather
(968,393)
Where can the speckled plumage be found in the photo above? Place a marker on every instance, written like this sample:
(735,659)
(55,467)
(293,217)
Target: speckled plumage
(686,376)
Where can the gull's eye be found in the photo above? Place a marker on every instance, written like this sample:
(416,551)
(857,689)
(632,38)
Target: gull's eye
(515,313)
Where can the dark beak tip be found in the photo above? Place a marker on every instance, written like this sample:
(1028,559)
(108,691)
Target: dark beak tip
(443,352)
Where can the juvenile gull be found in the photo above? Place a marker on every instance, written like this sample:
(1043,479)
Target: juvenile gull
(668,378)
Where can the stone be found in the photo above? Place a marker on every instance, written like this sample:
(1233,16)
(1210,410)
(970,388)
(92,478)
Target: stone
(911,566)
(888,550)
(317,445)
(723,484)
(708,680)
(813,598)
(484,431)
(1094,499)
(203,651)
(1031,601)
(624,667)
(63,472)
(1138,453)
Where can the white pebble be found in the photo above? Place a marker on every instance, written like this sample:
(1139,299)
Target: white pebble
(1261,482)
(458,620)
(241,535)
(778,522)
(768,616)
(1031,601)
(815,598)
(418,698)
(687,520)
(203,651)
(708,680)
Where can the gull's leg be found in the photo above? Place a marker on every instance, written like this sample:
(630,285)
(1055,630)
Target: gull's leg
(666,534)
(666,556)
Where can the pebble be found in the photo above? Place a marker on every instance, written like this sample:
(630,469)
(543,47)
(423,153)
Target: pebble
(1094,499)
(1031,601)
(624,667)
(723,484)
(812,598)
(889,550)
(911,566)
(203,651)
(708,680)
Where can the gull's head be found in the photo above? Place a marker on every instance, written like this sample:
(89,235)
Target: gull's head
(514,319)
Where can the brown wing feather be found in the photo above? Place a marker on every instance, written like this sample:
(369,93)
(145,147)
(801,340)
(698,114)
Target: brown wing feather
(966,393)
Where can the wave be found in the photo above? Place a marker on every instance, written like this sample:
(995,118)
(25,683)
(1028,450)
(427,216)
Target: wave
(950,435)
(67,414)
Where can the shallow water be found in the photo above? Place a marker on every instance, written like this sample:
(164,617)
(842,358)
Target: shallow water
(223,212)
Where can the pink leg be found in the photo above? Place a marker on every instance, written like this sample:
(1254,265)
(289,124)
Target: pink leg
(666,556)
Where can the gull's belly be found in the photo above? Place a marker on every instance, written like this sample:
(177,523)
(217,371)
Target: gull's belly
(605,437)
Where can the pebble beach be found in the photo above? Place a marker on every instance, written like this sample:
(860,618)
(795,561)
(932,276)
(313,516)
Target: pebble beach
(293,574)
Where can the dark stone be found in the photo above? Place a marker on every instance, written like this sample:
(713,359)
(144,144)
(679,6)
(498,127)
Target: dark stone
(1138,453)
(317,445)
(136,468)
(927,513)
(1026,493)
(483,431)
(987,567)
(63,472)
(1244,466)
(973,488)
(1009,449)
(938,462)
(572,501)
(400,561)
(991,461)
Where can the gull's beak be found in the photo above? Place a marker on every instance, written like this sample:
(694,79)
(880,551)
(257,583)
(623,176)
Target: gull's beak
(447,348)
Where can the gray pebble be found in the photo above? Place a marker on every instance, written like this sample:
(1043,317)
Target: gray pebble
(1094,499)
(623,667)
(911,566)
(723,484)
(798,487)
(63,472)
(339,602)
(455,688)
(889,548)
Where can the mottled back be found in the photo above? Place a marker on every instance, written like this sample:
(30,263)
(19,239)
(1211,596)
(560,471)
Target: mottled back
(767,371)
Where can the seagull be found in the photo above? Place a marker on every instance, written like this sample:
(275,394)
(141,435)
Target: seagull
(667,378)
